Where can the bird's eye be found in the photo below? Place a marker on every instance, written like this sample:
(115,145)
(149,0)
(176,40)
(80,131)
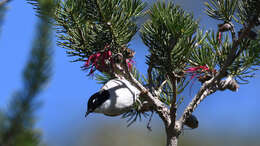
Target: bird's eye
(94,100)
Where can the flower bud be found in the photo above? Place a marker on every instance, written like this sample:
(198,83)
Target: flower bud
(192,122)
(224,27)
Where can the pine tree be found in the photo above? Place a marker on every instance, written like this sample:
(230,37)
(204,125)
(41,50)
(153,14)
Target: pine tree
(98,32)
(18,121)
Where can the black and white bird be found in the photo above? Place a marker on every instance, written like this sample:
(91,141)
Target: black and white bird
(116,97)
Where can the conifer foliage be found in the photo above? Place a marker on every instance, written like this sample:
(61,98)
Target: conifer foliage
(168,34)
(91,26)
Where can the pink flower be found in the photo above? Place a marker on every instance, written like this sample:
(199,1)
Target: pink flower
(97,60)
(195,71)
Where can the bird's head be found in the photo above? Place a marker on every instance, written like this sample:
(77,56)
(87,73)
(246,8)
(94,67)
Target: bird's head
(96,100)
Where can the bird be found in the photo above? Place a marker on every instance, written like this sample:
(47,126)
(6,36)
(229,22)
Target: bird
(116,97)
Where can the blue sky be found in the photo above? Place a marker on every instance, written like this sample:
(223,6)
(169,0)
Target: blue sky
(65,97)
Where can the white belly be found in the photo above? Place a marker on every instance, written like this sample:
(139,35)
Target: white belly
(122,97)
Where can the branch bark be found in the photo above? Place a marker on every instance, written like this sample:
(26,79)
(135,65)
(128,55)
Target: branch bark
(173,108)
(172,139)
(158,105)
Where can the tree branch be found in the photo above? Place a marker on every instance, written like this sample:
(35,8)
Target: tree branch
(232,31)
(158,105)
(173,108)
(149,71)
(201,95)
(159,89)
(209,87)
(233,52)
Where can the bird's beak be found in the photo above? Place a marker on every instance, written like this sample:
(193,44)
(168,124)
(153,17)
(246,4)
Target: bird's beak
(87,113)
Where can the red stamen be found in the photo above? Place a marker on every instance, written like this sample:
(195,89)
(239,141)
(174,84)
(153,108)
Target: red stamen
(130,63)
(219,37)
(97,60)
(195,71)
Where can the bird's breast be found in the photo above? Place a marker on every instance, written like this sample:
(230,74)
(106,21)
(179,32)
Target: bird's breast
(122,96)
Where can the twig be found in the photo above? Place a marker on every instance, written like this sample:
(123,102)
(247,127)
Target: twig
(159,90)
(202,94)
(232,31)
(233,53)
(149,122)
(149,71)
(159,106)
